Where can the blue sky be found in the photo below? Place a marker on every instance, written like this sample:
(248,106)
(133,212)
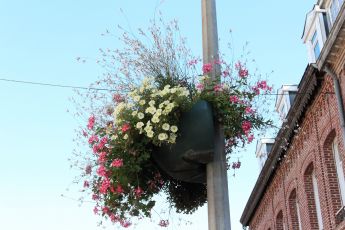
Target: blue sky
(39,42)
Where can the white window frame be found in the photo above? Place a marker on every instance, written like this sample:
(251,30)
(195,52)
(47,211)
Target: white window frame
(338,5)
(283,109)
(315,41)
(317,201)
(298,215)
(340,172)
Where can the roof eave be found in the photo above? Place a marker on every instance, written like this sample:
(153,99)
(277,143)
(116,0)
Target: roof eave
(307,86)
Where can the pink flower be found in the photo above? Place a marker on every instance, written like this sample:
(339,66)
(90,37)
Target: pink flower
(158,178)
(242,71)
(152,185)
(91,122)
(95,197)
(263,85)
(95,210)
(86,184)
(125,223)
(93,139)
(200,87)
(103,142)
(117,163)
(236,165)
(102,158)
(249,110)
(230,142)
(246,126)
(226,73)
(119,189)
(256,90)
(104,186)
(84,133)
(117,98)
(193,62)
(218,88)
(234,99)
(138,191)
(101,145)
(206,68)
(125,127)
(114,218)
(250,138)
(88,169)
(106,210)
(101,171)
(163,223)
(156,182)
(243,102)
(238,65)
(95,149)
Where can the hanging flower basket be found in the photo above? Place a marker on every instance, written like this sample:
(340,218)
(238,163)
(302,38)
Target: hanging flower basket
(194,146)
(160,138)
(157,134)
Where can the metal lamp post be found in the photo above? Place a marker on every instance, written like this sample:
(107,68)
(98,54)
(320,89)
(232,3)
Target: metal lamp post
(217,182)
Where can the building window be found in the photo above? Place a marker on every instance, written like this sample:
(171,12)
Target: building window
(334,9)
(340,173)
(279,221)
(294,211)
(313,201)
(317,201)
(340,3)
(298,215)
(315,45)
(335,175)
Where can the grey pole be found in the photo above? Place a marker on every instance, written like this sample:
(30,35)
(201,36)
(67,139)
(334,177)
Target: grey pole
(217,181)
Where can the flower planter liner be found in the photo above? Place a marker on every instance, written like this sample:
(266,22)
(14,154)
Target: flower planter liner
(186,160)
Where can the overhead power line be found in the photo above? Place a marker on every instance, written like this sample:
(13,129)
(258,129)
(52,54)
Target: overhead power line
(53,85)
(103,89)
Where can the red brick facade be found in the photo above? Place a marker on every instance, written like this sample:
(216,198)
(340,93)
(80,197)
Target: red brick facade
(298,187)
(309,152)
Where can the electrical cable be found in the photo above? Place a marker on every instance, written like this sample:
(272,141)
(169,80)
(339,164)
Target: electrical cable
(103,89)
(53,85)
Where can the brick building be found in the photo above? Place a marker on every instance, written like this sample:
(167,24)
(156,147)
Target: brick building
(302,183)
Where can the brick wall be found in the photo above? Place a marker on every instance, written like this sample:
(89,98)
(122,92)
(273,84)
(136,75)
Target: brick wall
(310,151)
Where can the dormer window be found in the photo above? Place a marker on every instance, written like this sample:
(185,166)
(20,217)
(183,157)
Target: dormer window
(285,98)
(263,148)
(315,32)
(315,45)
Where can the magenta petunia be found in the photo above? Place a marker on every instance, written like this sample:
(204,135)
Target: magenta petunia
(138,191)
(163,223)
(91,122)
(246,126)
(117,163)
(234,99)
(125,127)
(206,68)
